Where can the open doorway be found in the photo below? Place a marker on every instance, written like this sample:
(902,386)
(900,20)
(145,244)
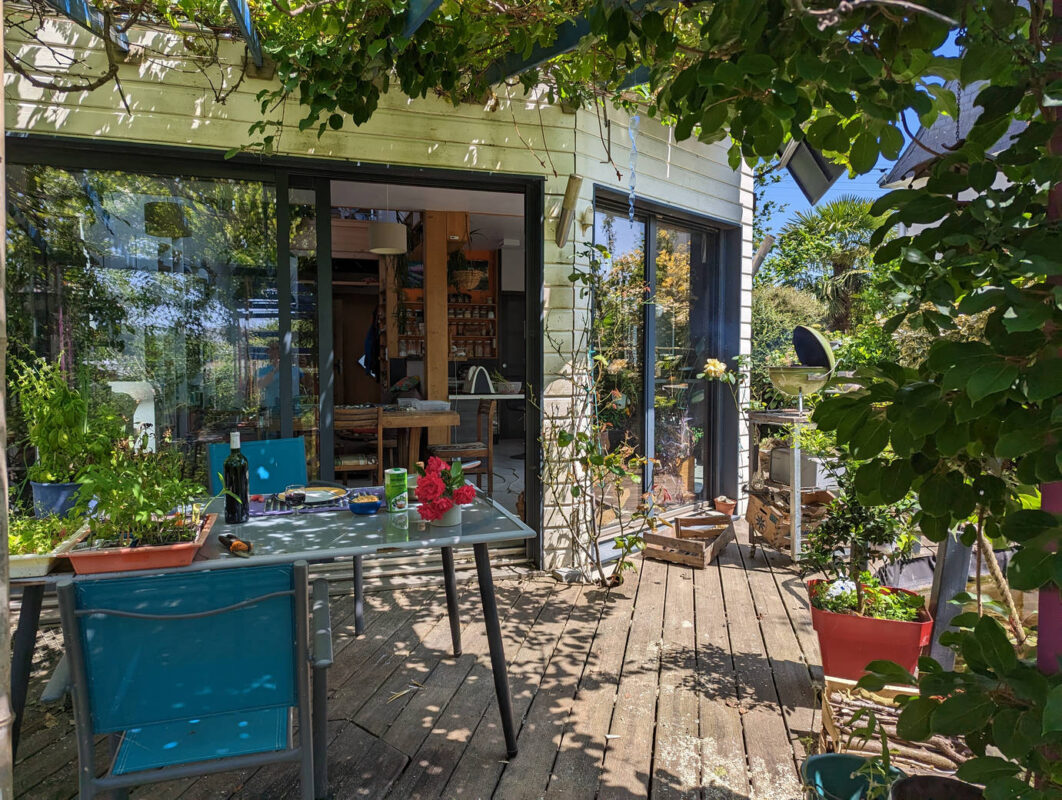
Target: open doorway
(440,325)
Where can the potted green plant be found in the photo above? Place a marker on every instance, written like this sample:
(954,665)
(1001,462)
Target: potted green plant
(59,430)
(144,515)
(35,544)
(856,618)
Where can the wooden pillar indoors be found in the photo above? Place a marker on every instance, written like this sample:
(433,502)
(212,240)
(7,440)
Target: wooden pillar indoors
(436,337)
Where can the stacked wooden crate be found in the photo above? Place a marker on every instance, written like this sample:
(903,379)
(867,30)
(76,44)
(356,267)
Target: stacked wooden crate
(696,540)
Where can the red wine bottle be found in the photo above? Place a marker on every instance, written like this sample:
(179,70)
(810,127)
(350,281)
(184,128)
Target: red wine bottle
(236,476)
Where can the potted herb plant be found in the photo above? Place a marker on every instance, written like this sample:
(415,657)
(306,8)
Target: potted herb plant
(35,544)
(59,430)
(856,618)
(144,515)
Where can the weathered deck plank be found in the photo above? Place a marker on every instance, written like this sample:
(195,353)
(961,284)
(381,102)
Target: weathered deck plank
(628,760)
(679,683)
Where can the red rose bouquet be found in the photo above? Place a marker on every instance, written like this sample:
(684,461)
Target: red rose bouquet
(440,487)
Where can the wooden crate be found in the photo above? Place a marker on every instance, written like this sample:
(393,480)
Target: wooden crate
(697,553)
(841,700)
(703,527)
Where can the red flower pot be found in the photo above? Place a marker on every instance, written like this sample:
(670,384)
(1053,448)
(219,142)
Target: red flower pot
(849,642)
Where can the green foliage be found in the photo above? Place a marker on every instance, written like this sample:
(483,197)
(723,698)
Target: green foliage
(776,311)
(867,345)
(26,535)
(137,491)
(997,701)
(873,599)
(58,425)
(843,544)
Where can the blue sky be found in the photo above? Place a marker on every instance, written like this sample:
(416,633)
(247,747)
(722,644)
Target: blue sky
(787,193)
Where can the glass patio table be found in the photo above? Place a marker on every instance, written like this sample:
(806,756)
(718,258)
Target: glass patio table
(319,537)
(322,537)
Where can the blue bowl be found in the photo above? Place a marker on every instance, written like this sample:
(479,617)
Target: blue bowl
(366,508)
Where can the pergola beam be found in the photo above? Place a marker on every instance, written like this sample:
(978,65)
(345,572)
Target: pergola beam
(91,19)
(417,14)
(242,12)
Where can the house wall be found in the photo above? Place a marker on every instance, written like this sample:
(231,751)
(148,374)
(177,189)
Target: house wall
(168,99)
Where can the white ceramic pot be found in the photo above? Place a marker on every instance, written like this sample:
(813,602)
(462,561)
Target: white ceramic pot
(449,519)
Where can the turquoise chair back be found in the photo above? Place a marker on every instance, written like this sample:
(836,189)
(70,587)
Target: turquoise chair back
(274,464)
(180,645)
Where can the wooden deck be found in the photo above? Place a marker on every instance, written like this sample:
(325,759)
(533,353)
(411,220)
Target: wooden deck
(681,683)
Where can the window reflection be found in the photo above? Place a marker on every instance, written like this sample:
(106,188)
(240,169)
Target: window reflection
(619,312)
(680,309)
(158,292)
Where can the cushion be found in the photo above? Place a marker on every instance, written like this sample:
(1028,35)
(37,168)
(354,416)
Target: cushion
(457,447)
(356,460)
(237,733)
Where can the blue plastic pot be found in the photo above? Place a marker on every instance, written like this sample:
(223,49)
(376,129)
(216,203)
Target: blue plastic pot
(829,776)
(53,498)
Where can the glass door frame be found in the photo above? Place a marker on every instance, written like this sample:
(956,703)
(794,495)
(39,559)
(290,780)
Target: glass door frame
(713,449)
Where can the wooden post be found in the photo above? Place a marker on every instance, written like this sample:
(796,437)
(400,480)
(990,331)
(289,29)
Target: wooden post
(6,760)
(436,327)
(950,576)
(1049,643)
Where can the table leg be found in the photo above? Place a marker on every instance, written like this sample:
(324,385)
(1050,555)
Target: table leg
(413,456)
(359,598)
(22,646)
(451,598)
(497,649)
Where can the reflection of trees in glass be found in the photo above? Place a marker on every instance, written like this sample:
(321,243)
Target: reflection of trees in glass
(135,277)
(675,392)
(619,301)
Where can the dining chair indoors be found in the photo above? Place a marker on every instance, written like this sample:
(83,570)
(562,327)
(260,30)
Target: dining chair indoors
(273,464)
(360,436)
(197,671)
(481,450)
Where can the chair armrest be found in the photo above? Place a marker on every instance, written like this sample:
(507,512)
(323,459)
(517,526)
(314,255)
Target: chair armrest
(59,684)
(321,622)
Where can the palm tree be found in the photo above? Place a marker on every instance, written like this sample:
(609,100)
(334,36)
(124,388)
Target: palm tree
(827,250)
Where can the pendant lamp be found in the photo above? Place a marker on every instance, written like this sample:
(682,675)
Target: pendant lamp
(387,238)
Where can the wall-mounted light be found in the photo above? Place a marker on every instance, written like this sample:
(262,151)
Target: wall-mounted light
(567,210)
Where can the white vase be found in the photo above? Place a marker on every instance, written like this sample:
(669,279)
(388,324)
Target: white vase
(449,519)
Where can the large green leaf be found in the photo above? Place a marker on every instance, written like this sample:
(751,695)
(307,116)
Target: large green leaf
(992,375)
(995,646)
(914,720)
(1053,711)
(986,768)
(962,713)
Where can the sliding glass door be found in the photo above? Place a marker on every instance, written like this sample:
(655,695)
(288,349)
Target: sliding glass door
(653,329)
(681,332)
(156,292)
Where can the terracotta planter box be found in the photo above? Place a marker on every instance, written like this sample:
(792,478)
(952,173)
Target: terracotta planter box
(123,559)
(849,642)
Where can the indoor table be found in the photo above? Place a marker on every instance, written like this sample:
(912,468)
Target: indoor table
(409,422)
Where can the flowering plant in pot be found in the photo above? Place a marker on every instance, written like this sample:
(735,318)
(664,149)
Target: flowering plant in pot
(442,490)
(857,619)
(144,515)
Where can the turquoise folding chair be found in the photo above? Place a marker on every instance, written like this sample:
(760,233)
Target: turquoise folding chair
(197,671)
(274,464)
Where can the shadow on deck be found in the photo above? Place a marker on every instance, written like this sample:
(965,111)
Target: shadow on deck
(680,683)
